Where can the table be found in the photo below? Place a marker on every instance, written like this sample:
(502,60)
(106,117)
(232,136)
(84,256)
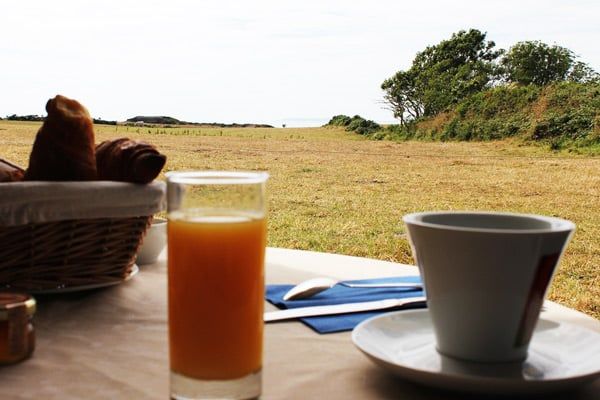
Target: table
(112,343)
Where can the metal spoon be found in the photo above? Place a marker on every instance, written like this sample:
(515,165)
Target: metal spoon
(313,286)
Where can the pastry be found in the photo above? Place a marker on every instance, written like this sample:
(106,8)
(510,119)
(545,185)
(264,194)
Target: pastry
(128,161)
(64,146)
(10,172)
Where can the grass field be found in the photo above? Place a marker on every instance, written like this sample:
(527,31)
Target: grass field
(336,192)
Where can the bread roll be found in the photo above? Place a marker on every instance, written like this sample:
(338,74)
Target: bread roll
(10,172)
(128,161)
(64,146)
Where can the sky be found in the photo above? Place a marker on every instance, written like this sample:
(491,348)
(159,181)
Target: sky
(277,62)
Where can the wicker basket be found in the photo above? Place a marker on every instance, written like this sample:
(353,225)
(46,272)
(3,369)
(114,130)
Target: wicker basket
(97,248)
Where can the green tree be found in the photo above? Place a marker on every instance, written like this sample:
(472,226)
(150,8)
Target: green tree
(581,72)
(535,62)
(442,75)
(402,96)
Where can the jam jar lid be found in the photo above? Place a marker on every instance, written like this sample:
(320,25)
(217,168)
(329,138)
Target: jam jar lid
(10,300)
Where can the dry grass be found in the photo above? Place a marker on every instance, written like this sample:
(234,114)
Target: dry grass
(335,192)
(438,122)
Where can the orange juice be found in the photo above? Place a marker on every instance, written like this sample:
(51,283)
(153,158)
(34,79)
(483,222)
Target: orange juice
(216,295)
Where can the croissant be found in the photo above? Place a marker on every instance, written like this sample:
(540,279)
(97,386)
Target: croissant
(64,146)
(10,172)
(128,161)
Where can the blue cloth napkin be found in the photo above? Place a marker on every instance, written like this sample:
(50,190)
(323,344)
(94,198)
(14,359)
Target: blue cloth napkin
(341,294)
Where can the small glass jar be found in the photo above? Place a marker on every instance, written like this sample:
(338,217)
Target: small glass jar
(17,336)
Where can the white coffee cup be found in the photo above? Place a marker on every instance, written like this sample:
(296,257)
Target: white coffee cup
(485,276)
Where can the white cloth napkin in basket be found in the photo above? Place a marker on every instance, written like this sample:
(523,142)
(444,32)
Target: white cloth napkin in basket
(22,203)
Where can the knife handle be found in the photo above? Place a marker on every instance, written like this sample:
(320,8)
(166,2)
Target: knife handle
(348,308)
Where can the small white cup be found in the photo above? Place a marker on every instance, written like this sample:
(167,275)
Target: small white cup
(154,242)
(485,277)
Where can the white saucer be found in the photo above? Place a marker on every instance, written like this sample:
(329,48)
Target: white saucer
(134,270)
(561,356)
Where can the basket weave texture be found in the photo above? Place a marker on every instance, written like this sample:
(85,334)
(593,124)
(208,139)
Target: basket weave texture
(65,254)
(62,254)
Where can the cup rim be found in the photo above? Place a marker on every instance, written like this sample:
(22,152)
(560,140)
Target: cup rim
(556,224)
(217,177)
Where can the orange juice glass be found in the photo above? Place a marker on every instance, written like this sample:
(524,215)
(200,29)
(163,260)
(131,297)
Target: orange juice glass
(217,234)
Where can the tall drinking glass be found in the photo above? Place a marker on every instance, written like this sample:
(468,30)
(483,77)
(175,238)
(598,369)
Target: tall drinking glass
(217,232)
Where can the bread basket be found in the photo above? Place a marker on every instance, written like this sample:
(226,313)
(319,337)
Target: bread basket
(63,235)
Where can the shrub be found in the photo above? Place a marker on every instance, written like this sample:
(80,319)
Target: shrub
(499,100)
(573,124)
(362,126)
(355,124)
(564,115)
(339,120)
